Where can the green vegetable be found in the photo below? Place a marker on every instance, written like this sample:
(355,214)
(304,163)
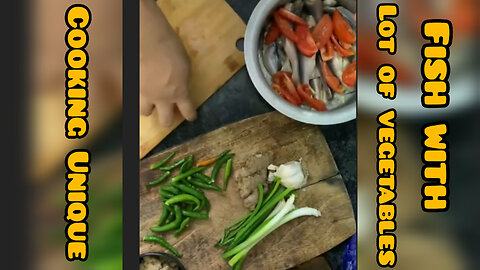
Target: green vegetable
(288,206)
(237,225)
(173,166)
(171,189)
(162,162)
(195,214)
(239,264)
(223,154)
(238,237)
(165,195)
(187,174)
(183,225)
(162,242)
(204,185)
(285,215)
(197,193)
(203,177)
(259,217)
(170,217)
(219,164)
(183,198)
(172,225)
(226,174)
(165,212)
(187,165)
(272,192)
(159,180)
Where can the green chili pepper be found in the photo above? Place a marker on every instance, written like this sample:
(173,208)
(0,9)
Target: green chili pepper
(159,180)
(173,166)
(183,225)
(192,191)
(187,165)
(165,213)
(195,214)
(162,242)
(170,217)
(184,182)
(223,154)
(165,194)
(219,164)
(183,198)
(187,174)
(172,225)
(226,174)
(203,177)
(171,189)
(162,162)
(204,185)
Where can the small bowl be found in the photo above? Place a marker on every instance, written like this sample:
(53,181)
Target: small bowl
(164,257)
(255,28)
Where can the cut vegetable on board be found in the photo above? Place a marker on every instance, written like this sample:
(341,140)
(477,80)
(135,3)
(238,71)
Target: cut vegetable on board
(182,197)
(290,179)
(268,215)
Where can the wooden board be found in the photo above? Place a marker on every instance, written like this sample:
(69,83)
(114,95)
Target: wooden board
(295,242)
(209,30)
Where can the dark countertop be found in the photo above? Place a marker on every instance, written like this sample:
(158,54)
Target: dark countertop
(238,99)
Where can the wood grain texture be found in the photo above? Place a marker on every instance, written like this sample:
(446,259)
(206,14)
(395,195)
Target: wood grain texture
(209,30)
(296,242)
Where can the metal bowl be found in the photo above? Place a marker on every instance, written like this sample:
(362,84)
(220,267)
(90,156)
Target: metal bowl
(255,28)
(164,257)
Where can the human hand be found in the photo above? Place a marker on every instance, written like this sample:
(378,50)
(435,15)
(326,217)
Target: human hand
(164,68)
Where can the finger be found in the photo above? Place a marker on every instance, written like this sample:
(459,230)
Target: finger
(186,108)
(146,107)
(165,113)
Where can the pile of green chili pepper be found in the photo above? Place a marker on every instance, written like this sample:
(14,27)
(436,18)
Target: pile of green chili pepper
(183,198)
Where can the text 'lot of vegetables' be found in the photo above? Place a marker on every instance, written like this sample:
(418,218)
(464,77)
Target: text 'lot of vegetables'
(182,198)
(314,45)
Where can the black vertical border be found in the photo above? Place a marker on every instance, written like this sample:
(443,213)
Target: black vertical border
(357,130)
(14,162)
(130,133)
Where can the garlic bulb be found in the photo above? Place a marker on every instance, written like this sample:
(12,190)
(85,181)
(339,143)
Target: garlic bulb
(291,175)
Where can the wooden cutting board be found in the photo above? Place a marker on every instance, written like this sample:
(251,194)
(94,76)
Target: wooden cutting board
(209,30)
(282,140)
